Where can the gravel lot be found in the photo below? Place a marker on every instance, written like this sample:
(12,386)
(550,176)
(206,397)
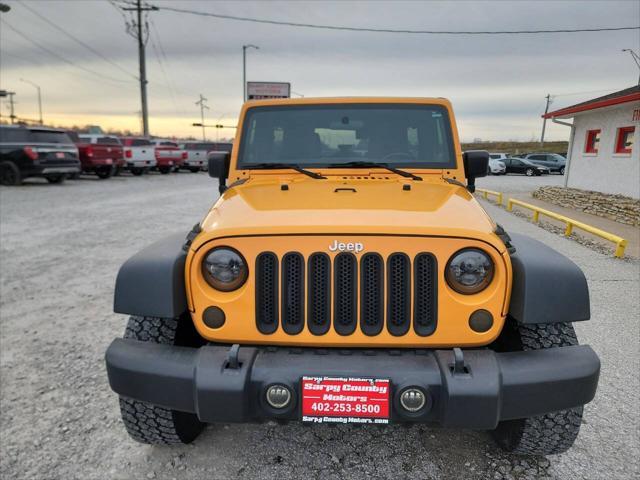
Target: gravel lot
(61,246)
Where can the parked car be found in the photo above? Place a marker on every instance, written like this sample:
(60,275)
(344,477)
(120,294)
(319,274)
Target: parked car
(99,154)
(498,156)
(520,165)
(36,152)
(197,153)
(497,167)
(169,156)
(275,308)
(139,153)
(553,161)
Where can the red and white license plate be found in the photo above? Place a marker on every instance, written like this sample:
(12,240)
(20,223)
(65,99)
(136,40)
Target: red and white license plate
(345,400)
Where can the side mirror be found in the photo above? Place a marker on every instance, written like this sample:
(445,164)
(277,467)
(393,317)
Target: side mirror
(219,168)
(476,164)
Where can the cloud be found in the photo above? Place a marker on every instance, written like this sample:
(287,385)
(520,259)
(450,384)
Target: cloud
(497,83)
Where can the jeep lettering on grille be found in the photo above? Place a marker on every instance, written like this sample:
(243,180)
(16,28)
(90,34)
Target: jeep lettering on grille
(337,246)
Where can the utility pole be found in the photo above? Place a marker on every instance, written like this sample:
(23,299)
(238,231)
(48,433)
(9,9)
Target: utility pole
(39,98)
(201,102)
(244,69)
(139,34)
(12,114)
(544,119)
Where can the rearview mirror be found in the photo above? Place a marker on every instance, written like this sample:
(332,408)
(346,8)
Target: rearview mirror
(219,168)
(476,163)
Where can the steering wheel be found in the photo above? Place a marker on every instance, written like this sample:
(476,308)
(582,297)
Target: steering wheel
(389,155)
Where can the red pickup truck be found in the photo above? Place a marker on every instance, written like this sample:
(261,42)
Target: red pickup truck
(168,155)
(100,154)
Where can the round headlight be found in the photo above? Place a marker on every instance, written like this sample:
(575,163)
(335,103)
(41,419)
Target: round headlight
(224,269)
(469,271)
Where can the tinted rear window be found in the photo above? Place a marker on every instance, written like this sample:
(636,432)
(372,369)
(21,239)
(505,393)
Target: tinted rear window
(74,136)
(108,140)
(136,142)
(224,147)
(168,144)
(47,136)
(12,135)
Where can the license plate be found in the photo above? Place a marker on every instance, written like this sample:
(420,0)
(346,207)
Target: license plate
(109,161)
(59,154)
(345,400)
(170,163)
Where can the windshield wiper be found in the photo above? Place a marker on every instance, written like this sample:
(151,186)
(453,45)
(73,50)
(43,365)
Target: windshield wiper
(386,166)
(292,166)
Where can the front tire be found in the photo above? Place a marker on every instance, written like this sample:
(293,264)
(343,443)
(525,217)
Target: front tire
(529,172)
(10,174)
(548,434)
(562,171)
(148,423)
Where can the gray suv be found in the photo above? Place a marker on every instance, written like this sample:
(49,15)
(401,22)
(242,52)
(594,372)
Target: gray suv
(553,161)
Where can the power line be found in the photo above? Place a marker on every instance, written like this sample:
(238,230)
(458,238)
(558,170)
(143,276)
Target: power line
(101,76)
(163,70)
(391,30)
(77,40)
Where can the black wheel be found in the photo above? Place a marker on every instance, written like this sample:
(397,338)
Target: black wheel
(562,171)
(164,170)
(137,171)
(55,178)
(104,173)
(194,169)
(529,172)
(547,434)
(10,174)
(148,423)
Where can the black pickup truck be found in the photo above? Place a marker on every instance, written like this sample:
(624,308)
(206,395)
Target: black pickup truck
(36,152)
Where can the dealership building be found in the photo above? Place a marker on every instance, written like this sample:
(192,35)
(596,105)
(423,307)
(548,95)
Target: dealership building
(604,154)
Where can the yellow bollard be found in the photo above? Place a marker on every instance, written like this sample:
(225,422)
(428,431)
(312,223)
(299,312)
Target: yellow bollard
(569,230)
(620,248)
(536,216)
(509,205)
(500,198)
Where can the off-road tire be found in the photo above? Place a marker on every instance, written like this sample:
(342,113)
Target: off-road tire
(148,423)
(55,178)
(10,174)
(547,434)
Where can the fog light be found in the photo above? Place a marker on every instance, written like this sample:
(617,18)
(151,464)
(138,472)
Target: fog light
(412,399)
(278,396)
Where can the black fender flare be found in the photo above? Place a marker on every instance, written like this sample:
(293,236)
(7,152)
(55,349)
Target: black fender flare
(152,282)
(547,286)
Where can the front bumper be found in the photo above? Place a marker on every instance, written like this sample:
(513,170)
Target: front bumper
(491,387)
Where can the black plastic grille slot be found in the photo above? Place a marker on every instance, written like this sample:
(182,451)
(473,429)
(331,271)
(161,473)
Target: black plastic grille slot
(399,294)
(292,293)
(267,292)
(345,292)
(371,294)
(425,310)
(319,302)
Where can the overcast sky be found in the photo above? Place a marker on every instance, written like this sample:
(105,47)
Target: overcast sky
(496,83)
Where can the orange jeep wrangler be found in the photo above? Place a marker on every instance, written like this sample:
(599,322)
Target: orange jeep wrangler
(346,274)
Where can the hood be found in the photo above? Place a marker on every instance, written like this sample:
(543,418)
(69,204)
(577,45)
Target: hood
(361,205)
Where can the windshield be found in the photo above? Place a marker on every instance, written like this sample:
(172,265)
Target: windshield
(410,136)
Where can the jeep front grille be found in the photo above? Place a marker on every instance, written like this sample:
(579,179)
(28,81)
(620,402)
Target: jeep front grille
(370,292)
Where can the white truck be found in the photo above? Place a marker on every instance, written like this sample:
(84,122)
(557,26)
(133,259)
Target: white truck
(139,153)
(197,153)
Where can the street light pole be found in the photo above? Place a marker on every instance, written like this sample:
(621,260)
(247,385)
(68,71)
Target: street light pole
(244,69)
(39,98)
(636,58)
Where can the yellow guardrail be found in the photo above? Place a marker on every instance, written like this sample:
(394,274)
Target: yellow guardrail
(620,242)
(486,193)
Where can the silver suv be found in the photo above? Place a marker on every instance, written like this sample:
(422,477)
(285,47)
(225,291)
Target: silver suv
(553,161)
